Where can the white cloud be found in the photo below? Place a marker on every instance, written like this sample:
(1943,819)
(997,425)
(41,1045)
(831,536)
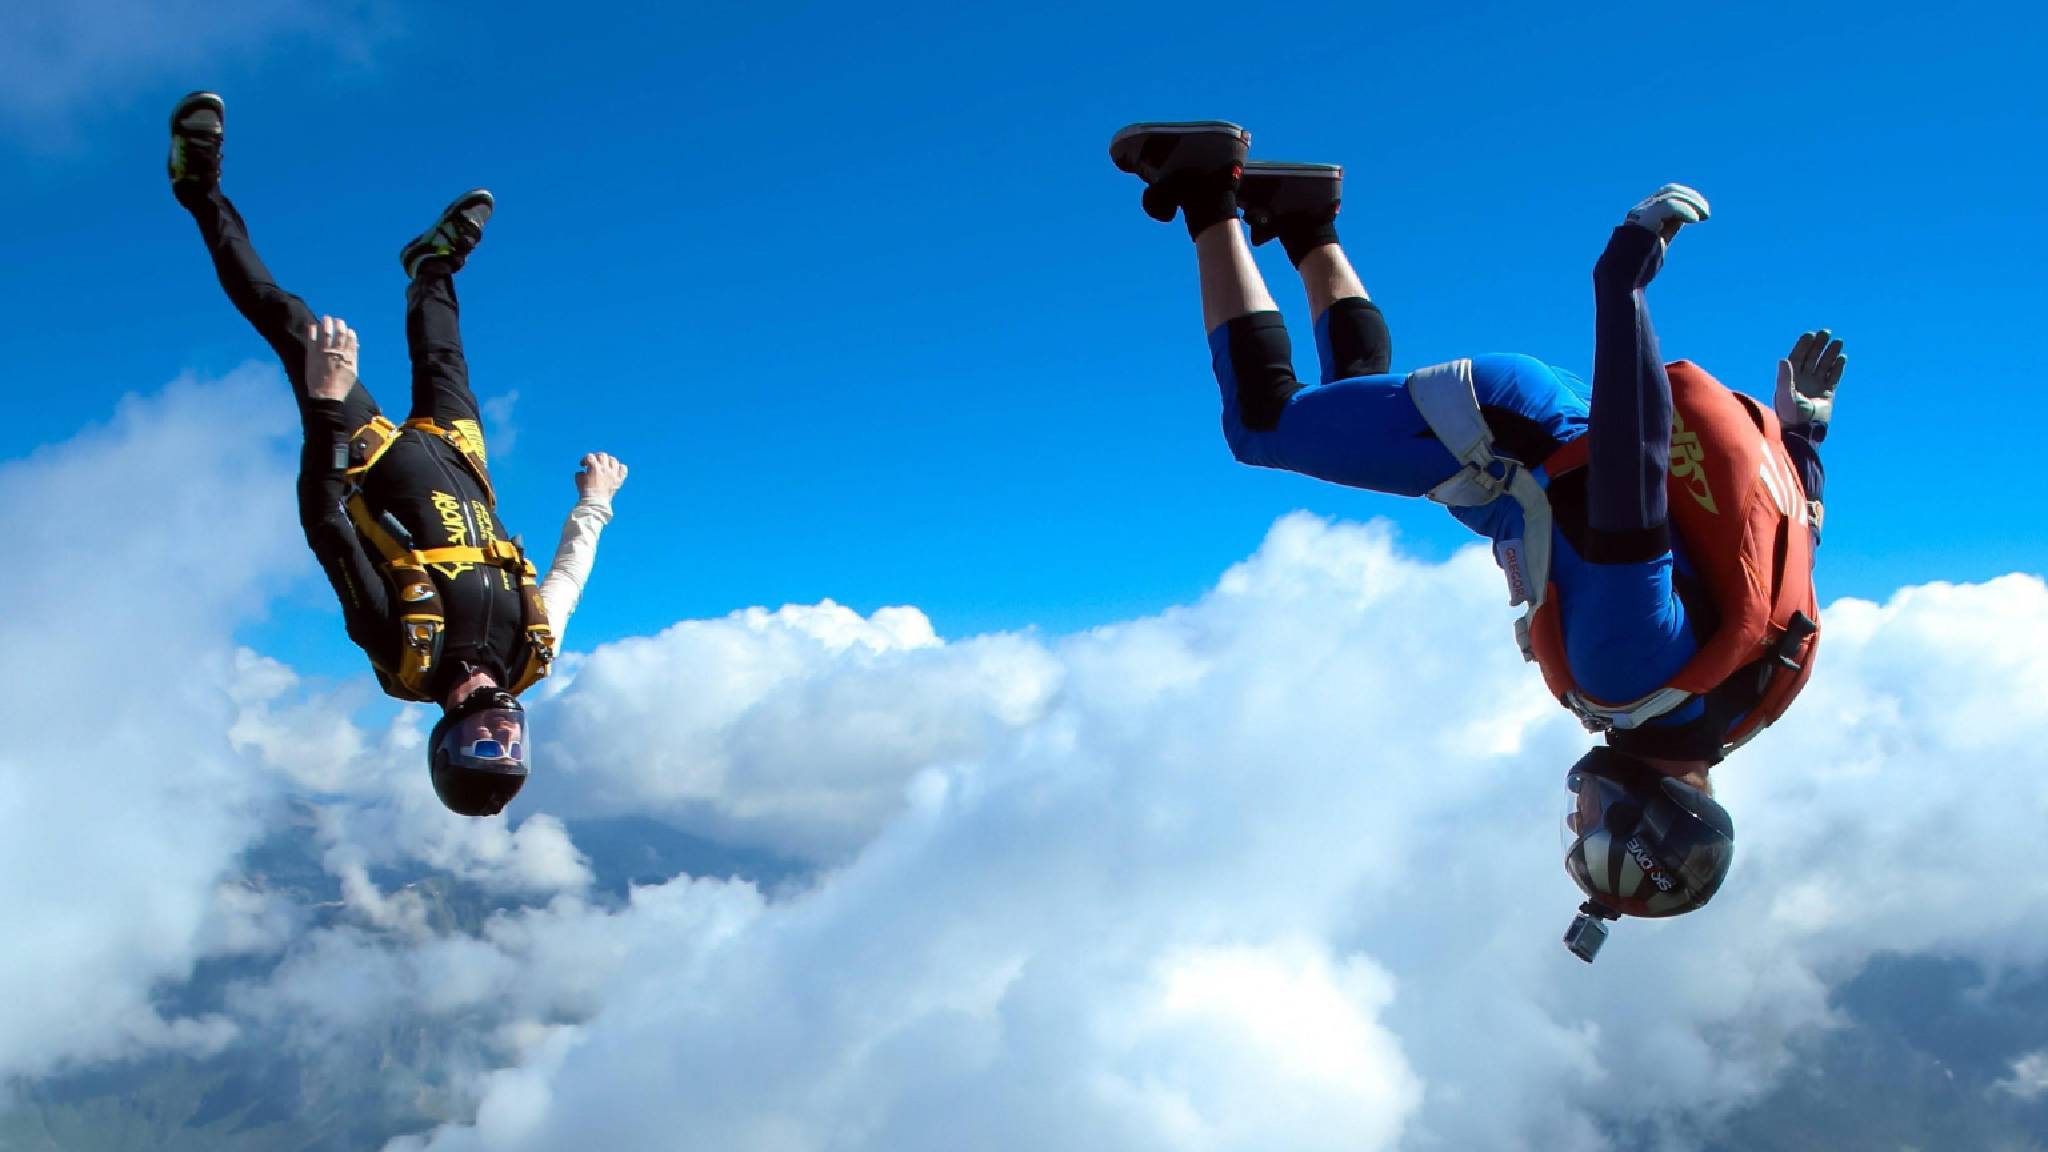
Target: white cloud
(60,56)
(2029,1079)
(144,751)
(122,802)
(500,428)
(1274,869)
(384,810)
(801,737)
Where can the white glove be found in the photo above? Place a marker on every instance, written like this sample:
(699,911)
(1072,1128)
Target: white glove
(1668,209)
(1806,383)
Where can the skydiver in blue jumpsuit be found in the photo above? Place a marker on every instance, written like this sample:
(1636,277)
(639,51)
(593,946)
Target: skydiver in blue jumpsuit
(1623,584)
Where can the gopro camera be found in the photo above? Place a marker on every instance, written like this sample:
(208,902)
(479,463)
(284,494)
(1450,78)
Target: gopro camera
(1588,932)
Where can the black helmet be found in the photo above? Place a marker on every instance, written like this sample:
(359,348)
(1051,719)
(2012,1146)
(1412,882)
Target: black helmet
(478,752)
(1639,843)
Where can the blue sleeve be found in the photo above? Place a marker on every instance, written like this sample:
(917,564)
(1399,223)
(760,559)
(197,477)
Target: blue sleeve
(1806,457)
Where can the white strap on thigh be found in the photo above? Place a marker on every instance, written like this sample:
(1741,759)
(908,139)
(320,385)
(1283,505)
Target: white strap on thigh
(1444,394)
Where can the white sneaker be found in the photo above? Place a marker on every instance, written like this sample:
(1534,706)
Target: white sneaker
(1668,209)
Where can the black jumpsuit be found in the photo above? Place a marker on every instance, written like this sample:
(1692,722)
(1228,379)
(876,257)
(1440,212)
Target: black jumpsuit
(422,482)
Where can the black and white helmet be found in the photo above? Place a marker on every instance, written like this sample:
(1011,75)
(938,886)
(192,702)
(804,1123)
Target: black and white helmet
(1640,843)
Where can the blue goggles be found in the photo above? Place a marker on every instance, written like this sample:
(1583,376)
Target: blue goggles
(490,748)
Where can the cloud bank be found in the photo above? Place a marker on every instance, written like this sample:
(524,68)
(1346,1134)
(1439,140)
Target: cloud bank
(122,804)
(1277,868)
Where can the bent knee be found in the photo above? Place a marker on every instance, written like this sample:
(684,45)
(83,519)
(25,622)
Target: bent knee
(1245,443)
(1256,368)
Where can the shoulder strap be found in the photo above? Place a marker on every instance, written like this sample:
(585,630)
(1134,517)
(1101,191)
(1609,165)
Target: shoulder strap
(467,445)
(540,632)
(367,445)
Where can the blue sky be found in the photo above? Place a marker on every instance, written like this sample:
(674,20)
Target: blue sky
(857,295)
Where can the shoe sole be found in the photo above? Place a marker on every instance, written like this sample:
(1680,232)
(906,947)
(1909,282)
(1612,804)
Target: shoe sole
(199,120)
(1692,199)
(194,101)
(473,196)
(1277,173)
(1279,168)
(1264,188)
(1123,147)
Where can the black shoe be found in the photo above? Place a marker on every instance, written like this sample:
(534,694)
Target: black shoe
(453,237)
(1171,157)
(198,124)
(1272,192)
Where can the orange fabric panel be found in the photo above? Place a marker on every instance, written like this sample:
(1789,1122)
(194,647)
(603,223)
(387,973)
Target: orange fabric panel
(1737,505)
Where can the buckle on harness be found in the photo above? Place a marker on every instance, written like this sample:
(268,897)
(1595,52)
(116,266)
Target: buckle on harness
(1499,472)
(1478,483)
(1784,653)
(1797,630)
(1594,722)
(1525,637)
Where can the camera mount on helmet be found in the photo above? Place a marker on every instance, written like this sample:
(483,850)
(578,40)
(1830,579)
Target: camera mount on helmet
(1638,843)
(1589,931)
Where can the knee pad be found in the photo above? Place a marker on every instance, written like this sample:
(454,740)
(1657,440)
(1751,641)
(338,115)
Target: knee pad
(1262,368)
(1360,344)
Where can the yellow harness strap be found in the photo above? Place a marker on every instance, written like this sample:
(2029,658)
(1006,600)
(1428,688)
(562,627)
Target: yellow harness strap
(421,618)
(472,453)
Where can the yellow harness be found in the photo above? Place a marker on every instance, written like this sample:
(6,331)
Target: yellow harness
(421,619)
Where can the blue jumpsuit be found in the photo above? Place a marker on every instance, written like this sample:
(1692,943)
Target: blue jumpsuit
(1619,573)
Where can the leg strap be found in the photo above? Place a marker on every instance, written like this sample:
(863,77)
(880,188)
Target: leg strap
(1445,396)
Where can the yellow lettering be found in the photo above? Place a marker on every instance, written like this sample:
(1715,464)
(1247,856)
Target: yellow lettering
(1688,460)
(489,530)
(457,525)
(472,436)
(482,514)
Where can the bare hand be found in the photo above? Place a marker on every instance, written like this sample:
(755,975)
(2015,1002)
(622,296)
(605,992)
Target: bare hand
(330,359)
(601,477)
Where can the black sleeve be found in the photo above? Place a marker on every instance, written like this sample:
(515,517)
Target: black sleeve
(1806,457)
(365,603)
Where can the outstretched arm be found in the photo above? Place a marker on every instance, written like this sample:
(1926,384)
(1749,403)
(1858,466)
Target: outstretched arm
(1805,402)
(562,587)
